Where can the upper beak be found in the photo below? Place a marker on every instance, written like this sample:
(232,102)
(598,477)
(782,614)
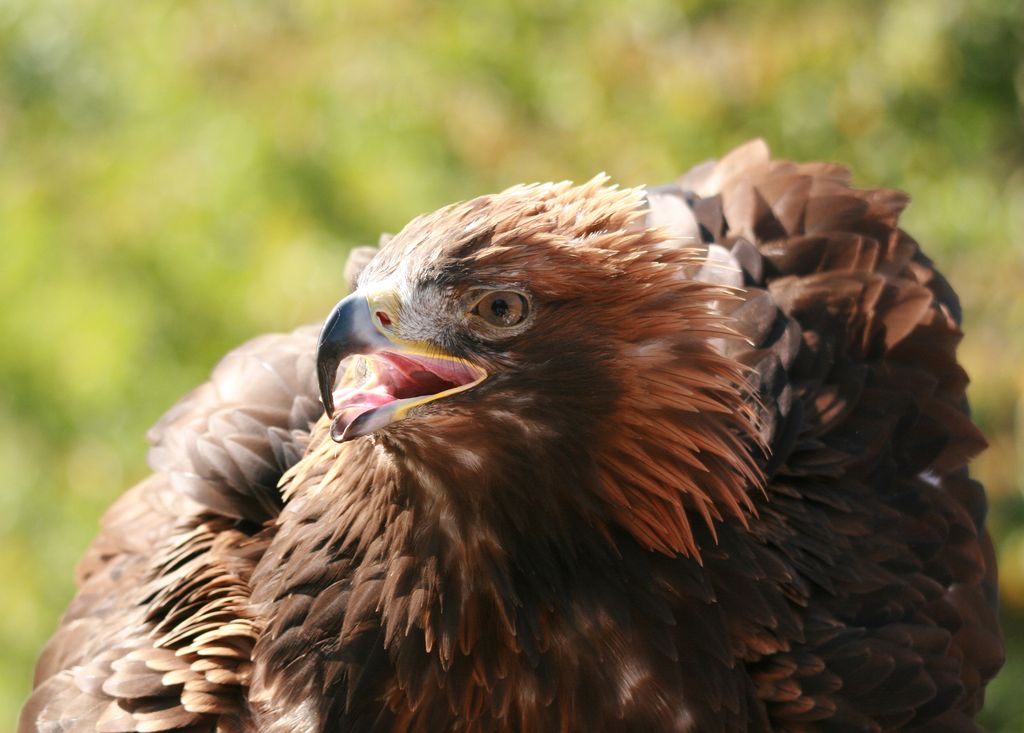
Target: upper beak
(395,375)
(348,330)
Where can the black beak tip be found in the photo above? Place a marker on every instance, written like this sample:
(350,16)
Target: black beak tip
(330,350)
(326,369)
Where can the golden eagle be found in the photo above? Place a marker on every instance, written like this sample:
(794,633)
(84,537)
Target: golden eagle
(685,458)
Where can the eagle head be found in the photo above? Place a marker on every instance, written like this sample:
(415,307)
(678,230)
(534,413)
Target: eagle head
(545,345)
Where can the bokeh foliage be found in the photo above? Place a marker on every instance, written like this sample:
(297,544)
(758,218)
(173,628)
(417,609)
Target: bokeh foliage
(178,176)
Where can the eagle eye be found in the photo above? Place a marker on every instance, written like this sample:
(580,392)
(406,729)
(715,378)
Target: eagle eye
(501,308)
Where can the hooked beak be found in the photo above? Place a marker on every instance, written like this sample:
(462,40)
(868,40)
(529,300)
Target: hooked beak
(385,376)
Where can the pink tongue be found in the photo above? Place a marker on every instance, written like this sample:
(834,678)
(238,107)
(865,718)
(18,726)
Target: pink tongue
(352,402)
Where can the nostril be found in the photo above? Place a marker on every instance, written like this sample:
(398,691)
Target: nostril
(384,318)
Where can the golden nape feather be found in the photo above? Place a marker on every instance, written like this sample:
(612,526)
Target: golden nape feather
(567,458)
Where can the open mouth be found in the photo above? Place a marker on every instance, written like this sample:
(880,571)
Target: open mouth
(379,388)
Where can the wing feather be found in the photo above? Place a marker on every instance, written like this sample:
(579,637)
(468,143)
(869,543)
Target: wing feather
(156,638)
(869,498)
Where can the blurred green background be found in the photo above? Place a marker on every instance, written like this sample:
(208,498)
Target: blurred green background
(176,177)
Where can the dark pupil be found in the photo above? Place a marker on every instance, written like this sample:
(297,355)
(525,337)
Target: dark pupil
(499,308)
